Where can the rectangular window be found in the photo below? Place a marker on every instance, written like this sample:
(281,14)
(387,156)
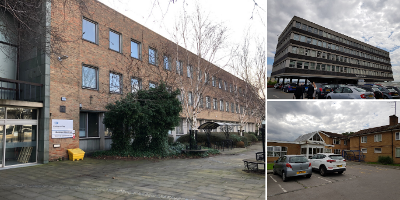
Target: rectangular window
(314,41)
(345,142)
(397,135)
(89,30)
(208,103)
(296,37)
(306,65)
(201,100)
(115,41)
(312,66)
(312,53)
(397,152)
(299,64)
(215,106)
(302,38)
(213,81)
(232,107)
(166,63)
(190,99)
(364,150)
(136,84)
(88,125)
(219,83)
(336,141)
(227,106)
(179,68)
(136,50)
(294,50)
(189,71)
(225,85)
(152,56)
(115,83)
(152,85)
(221,105)
(377,150)
(378,138)
(89,77)
(364,139)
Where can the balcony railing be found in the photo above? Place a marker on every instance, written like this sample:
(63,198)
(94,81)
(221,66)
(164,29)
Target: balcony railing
(20,90)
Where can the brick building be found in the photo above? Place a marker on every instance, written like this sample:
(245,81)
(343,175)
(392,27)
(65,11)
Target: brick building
(107,55)
(372,143)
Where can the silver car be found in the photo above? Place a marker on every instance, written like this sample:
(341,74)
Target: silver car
(292,165)
(350,92)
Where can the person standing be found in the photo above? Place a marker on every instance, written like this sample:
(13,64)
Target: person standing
(298,92)
(315,89)
(310,92)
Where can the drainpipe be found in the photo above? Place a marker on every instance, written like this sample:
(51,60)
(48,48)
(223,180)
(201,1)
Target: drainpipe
(392,144)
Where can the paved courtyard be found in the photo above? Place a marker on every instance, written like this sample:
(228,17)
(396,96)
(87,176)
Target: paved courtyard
(219,177)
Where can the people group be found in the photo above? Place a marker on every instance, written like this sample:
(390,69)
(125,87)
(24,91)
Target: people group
(300,92)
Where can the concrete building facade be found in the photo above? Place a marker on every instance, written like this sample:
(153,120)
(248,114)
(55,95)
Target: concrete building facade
(306,50)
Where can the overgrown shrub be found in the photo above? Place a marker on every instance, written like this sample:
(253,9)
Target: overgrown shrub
(170,140)
(251,137)
(214,137)
(144,117)
(240,144)
(385,160)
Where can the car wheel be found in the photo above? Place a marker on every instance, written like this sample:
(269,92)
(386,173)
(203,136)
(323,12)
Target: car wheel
(273,171)
(308,176)
(385,97)
(322,171)
(340,172)
(284,178)
(329,98)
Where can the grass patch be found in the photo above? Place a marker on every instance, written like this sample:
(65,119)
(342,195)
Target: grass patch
(270,166)
(376,163)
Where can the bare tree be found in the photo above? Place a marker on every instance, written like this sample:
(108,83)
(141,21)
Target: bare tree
(206,38)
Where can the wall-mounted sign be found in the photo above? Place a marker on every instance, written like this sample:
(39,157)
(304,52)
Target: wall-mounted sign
(62,128)
(63,98)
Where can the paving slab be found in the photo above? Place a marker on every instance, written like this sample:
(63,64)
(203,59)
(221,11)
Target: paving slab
(216,177)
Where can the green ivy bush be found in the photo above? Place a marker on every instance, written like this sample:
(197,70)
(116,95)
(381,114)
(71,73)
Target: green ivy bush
(170,139)
(250,137)
(385,160)
(143,117)
(214,137)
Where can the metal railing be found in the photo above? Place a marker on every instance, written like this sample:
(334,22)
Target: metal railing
(20,90)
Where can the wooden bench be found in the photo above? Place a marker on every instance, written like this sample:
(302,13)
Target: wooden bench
(252,164)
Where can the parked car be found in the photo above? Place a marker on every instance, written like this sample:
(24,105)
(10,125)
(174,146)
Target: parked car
(278,85)
(291,166)
(377,93)
(389,93)
(291,87)
(393,87)
(322,90)
(328,163)
(350,92)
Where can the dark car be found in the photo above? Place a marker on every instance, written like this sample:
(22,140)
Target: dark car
(291,87)
(378,94)
(393,87)
(389,93)
(322,90)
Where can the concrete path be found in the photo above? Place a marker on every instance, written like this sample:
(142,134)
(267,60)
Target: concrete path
(218,177)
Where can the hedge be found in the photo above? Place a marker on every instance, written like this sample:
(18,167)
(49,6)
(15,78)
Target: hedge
(214,137)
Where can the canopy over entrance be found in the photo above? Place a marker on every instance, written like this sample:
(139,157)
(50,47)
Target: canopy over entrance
(214,125)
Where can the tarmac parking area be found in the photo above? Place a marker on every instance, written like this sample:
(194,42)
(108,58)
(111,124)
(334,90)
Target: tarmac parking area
(359,181)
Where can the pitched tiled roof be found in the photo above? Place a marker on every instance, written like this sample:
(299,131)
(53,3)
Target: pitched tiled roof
(334,135)
(376,129)
(304,137)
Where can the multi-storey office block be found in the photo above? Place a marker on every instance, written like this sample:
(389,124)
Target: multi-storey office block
(306,50)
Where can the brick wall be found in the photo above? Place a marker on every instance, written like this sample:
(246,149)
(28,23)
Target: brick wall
(66,76)
(292,149)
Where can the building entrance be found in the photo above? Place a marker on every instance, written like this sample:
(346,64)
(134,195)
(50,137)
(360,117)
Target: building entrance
(18,136)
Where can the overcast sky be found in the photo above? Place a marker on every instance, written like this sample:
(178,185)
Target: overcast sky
(160,15)
(287,120)
(375,22)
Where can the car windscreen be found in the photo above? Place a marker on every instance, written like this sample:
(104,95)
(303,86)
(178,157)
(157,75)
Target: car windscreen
(298,159)
(375,89)
(336,157)
(359,90)
(392,90)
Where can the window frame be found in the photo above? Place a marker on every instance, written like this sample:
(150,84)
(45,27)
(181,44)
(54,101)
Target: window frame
(96,77)
(151,82)
(155,56)
(378,139)
(366,150)
(189,69)
(215,104)
(376,150)
(208,102)
(139,84)
(119,38)
(221,105)
(87,126)
(120,82)
(139,46)
(397,134)
(167,65)
(364,139)
(96,30)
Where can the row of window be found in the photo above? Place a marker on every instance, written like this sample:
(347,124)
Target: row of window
(339,39)
(332,46)
(90,33)
(276,151)
(233,107)
(379,150)
(90,80)
(337,141)
(335,57)
(334,68)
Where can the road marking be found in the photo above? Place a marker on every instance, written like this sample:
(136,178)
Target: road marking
(325,179)
(275,96)
(282,188)
(273,179)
